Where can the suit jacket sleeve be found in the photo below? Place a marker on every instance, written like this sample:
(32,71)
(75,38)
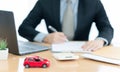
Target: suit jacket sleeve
(27,28)
(102,23)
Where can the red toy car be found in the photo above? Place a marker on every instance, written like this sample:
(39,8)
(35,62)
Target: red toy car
(36,61)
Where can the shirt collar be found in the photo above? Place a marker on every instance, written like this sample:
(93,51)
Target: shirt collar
(73,1)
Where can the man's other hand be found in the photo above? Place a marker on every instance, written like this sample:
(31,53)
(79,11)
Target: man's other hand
(93,45)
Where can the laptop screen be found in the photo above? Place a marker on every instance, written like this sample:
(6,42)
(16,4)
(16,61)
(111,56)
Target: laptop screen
(8,31)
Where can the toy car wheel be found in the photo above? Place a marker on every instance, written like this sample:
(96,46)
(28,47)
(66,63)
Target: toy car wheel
(27,66)
(44,66)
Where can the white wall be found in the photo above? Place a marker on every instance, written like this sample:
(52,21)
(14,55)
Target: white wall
(21,9)
(113,11)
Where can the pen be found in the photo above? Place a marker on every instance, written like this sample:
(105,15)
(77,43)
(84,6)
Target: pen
(54,30)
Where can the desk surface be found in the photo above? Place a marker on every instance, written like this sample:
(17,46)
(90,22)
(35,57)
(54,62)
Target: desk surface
(15,63)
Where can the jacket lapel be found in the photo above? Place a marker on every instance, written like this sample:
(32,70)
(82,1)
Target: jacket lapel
(79,16)
(56,14)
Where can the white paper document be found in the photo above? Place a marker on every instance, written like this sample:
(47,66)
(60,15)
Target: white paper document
(74,46)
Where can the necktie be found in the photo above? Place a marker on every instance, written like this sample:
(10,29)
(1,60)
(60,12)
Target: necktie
(68,21)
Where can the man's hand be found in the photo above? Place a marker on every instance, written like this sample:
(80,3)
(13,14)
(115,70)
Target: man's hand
(56,37)
(93,45)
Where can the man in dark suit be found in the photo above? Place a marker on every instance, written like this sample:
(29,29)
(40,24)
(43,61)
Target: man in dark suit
(52,11)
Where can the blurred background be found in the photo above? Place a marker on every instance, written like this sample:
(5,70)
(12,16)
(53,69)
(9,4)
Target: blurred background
(21,8)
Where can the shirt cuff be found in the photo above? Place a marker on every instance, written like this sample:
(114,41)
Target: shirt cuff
(39,37)
(105,40)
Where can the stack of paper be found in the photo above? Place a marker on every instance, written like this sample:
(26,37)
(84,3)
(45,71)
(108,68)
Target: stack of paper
(68,47)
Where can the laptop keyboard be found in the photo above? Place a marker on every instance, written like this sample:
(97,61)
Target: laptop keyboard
(28,47)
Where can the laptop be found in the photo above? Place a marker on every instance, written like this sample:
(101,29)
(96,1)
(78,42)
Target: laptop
(8,32)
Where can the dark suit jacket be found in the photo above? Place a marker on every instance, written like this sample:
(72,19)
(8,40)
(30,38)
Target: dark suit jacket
(89,11)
